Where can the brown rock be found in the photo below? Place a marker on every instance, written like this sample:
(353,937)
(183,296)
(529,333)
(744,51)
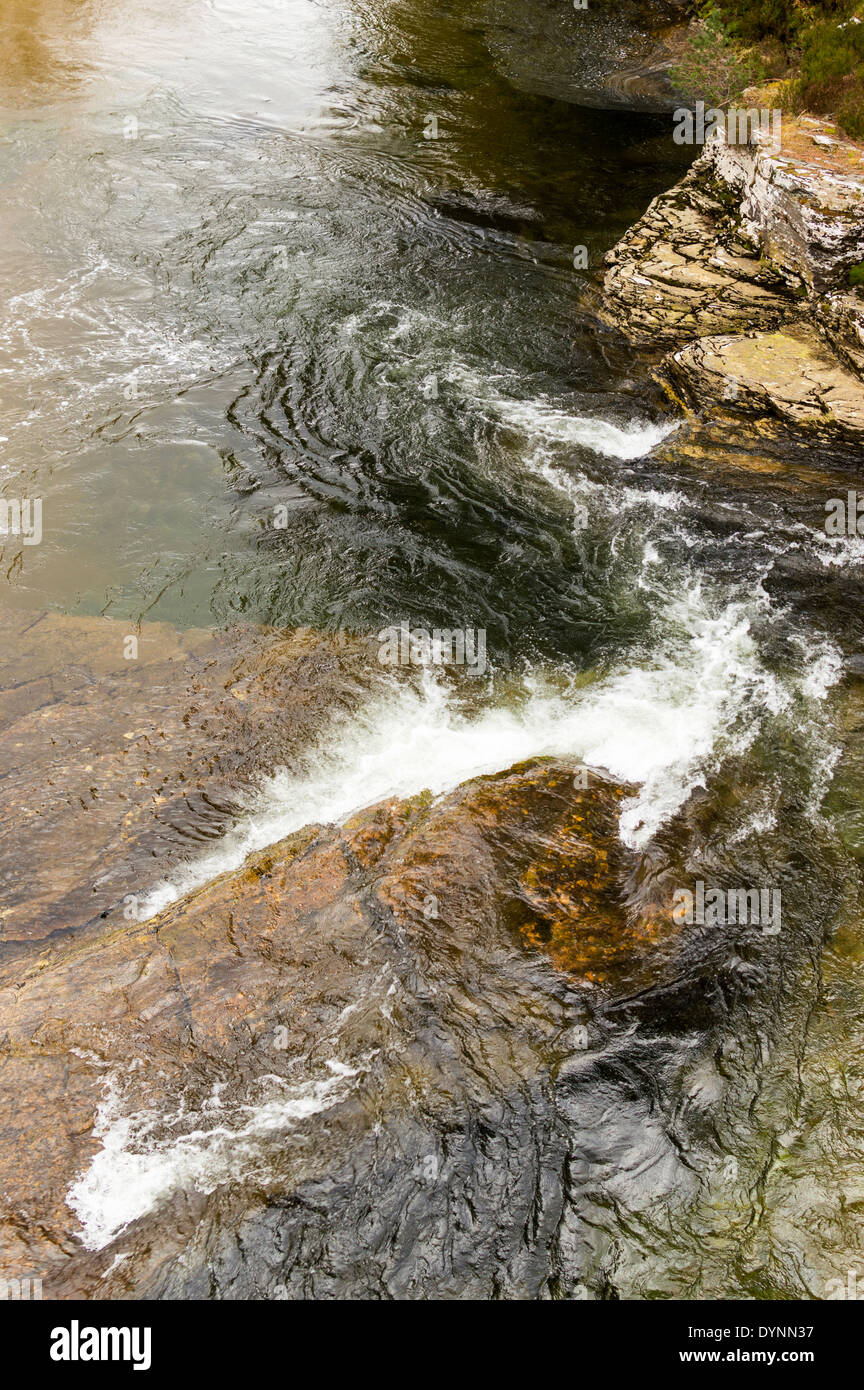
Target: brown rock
(751,237)
(686,269)
(112,770)
(282,986)
(786,380)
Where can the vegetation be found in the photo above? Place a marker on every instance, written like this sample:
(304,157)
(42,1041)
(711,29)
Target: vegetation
(832,72)
(818,48)
(713,66)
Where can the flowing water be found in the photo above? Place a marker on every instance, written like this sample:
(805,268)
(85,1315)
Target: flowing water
(293,335)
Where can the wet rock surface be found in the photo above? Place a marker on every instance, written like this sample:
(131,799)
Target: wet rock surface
(453,1048)
(787,380)
(685,269)
(739,274)
(319,983)
(113,769)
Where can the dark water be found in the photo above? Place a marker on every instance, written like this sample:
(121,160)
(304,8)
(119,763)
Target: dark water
(271,353)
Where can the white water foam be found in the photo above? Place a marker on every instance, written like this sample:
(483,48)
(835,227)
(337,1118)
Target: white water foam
(414,335)
(582,490)
(702,692)
(838,552)
(134,1173)
(661,724)
(541,420)
(631,441)
(104,346)
(664,723)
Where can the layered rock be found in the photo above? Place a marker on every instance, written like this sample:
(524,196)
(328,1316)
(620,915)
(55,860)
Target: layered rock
(840,319)
(686,268)
(787,378)
(757,243)
(806,215)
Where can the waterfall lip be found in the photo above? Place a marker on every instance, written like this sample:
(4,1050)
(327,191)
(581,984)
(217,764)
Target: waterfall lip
(659,722)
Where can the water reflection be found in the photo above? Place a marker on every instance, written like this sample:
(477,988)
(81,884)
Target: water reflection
(247,278)
(225,192)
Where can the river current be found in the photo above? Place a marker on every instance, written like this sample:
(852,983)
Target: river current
(295,334)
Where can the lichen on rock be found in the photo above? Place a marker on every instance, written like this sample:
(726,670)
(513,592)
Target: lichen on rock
(787,377)
(740,275)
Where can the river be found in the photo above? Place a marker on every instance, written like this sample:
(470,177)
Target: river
(295,336)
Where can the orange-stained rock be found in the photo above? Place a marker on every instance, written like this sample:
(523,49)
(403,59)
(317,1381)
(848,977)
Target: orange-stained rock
(288,979)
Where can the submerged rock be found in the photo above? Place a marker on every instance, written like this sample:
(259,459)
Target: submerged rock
(596,55)
(452,1048)
(343,995)
(114,767)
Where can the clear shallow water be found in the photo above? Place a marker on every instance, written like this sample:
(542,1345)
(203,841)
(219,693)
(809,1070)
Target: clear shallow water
(240,278)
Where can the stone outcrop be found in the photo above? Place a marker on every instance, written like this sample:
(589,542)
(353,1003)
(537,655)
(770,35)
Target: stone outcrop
(805,215)
(785,378)
(346,983)
(740,275)
(840,318)
(686,269)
